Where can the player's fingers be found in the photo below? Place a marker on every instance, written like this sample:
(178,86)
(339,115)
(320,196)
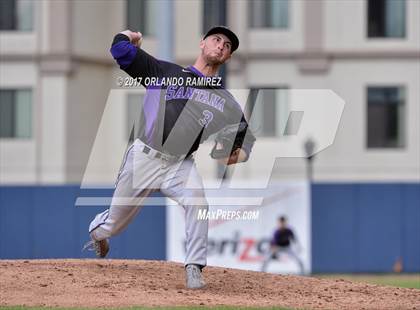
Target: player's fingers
(233,158)
(138,38)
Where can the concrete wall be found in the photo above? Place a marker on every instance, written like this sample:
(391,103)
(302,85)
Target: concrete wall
(324,47)
(18,157)
(346,28)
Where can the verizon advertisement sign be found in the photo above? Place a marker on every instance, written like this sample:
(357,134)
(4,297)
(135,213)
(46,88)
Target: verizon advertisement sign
(240,234)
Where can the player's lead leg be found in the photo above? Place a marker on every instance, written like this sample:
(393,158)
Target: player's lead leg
(184,185)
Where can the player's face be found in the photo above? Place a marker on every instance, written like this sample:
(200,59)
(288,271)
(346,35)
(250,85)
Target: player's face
(216,49)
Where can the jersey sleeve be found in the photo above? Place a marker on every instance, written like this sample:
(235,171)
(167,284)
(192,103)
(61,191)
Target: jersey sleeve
(133,60)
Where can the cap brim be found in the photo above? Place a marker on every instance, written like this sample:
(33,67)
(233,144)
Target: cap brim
(228,33)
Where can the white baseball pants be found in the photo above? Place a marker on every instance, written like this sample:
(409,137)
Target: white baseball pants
(277,251)
(142,174)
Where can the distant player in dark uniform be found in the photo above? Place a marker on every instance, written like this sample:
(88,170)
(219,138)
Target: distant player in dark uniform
(176,118)
(282,244)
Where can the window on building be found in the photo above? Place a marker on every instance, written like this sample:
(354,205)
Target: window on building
(15,113)
(134,114)
(269,13)
(214,14)
(385,117)
(267,111)
(16,15)
(142,16)
(386,18)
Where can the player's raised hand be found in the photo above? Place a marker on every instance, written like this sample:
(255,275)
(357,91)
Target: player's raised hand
(136,38)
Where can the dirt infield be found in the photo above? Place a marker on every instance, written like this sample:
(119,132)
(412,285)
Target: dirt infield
(122,283)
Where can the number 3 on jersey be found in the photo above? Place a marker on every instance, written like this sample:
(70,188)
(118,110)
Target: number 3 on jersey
(206,119)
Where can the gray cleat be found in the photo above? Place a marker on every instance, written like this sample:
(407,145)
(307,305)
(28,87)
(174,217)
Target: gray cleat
(194,277)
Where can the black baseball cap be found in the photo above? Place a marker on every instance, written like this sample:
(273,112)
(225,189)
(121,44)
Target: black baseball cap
(227,32)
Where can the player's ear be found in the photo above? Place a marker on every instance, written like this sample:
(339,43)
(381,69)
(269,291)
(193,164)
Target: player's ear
(202,43)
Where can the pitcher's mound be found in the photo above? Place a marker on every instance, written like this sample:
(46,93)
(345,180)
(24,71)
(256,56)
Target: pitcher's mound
(126,283)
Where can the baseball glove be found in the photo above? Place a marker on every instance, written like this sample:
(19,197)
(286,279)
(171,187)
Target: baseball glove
(231,138)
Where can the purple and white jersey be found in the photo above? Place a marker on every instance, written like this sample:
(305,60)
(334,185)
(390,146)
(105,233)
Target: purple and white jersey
(176,117)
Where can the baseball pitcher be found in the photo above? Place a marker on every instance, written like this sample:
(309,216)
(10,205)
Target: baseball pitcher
(175,120)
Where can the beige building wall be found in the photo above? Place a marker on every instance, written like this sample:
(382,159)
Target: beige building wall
(66,61)
(329,50)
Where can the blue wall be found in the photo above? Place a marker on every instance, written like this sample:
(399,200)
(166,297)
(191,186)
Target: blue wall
(355,227)
(43,222)
(365,227)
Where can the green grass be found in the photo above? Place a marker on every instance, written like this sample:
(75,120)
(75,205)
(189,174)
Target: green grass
(398,280)
(142,308)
